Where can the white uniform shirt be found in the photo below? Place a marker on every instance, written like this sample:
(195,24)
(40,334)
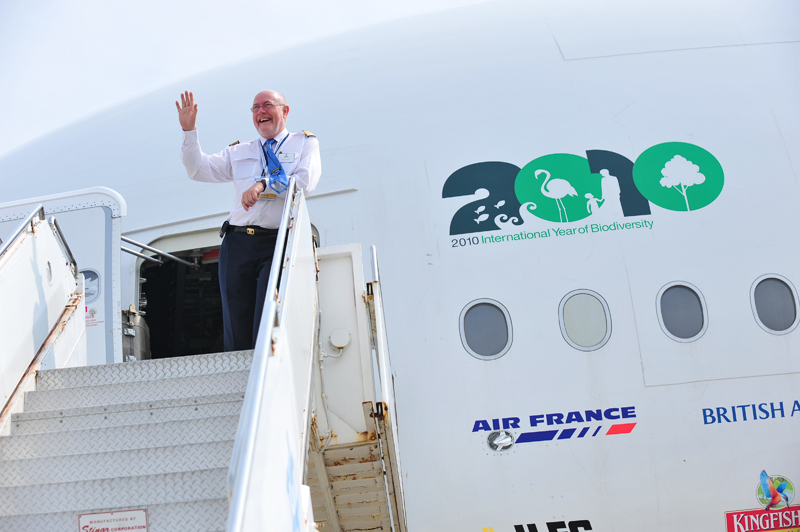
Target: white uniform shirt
(243,163)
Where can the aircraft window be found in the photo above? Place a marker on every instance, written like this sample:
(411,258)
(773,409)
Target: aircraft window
(774,302)
(485,326)
(682,312)
(585,320)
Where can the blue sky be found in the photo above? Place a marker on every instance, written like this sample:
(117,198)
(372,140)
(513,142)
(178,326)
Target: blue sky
(63,60)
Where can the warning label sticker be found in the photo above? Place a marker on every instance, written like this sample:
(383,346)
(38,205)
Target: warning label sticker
(92,317)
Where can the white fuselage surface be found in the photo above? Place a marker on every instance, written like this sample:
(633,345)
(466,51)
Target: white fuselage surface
(468,146)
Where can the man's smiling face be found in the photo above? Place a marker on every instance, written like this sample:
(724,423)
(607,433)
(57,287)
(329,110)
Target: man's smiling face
(269,113)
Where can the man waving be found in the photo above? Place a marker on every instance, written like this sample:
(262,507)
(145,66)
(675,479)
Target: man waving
(260,171)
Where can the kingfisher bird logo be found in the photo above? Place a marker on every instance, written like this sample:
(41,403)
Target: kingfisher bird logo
(774,492)
(564,188)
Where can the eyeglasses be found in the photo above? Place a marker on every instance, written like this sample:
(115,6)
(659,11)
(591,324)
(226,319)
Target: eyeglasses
(266,106)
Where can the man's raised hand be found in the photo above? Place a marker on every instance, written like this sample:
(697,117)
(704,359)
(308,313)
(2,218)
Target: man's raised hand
(187,111)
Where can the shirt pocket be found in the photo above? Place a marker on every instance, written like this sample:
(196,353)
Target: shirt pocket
(246,168)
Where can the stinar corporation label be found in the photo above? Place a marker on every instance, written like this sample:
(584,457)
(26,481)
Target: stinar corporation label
(122,521)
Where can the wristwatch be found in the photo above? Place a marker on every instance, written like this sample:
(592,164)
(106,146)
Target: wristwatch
(263,184)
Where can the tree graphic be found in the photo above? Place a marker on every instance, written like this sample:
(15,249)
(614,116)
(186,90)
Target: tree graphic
(679,164)
(680,174)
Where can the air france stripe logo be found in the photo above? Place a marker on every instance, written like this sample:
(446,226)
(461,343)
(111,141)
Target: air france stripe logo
(591,423)
(548,435)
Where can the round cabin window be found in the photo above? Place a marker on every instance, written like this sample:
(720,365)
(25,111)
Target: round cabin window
(585,320)
(485,327)
(774,302)
(682,312)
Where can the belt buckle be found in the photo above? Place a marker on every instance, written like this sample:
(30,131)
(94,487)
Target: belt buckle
(251,231)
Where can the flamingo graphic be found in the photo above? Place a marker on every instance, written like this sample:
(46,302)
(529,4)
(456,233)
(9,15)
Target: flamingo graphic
(775,494)
(556,189)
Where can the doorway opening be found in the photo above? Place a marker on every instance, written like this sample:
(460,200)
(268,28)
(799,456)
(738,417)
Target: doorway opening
(183,305)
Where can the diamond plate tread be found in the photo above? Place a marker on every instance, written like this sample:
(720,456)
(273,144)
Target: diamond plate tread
(136,392)
(118,438)
(149,412)
(344,487)
(360,525)
(357,484)
(207,515)
(113,464)
(137,492)
(163,368)
(143,405)
(352,455)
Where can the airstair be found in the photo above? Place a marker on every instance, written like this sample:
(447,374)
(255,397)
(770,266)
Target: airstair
(299,434)
(152,434)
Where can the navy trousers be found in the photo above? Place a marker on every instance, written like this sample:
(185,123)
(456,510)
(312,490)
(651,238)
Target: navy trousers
(244,263)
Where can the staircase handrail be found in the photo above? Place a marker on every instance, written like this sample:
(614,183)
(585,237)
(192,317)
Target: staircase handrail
(244,445)
(64,246)
(387,421)
(39,209)
(154,250)
(23,360)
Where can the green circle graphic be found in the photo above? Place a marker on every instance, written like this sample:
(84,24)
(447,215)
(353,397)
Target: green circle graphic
(788,491)
(678,176)
(558,187)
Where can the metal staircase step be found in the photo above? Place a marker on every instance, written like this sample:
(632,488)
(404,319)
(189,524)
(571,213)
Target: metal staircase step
(144,370)
(114,464)
(354,478)
(135,392)
(91,495)
(118,438)
(196,516)
(127,414)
